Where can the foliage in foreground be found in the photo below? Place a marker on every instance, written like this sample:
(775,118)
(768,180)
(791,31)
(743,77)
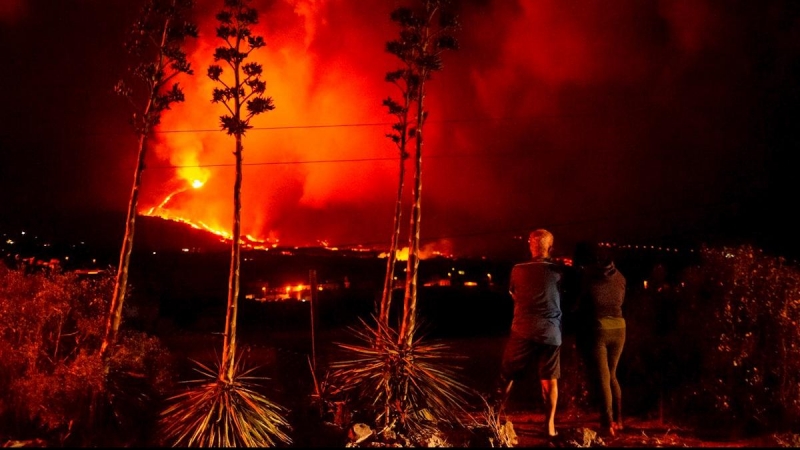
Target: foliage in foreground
(55,382)
(408,392)
(740,324)
(216,413)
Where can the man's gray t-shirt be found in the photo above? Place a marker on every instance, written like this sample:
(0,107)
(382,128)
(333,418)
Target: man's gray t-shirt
(535,288)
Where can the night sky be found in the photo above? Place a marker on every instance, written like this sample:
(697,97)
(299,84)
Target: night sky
(629,121)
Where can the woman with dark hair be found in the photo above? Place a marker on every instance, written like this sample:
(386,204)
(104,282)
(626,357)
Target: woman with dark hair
(602,327)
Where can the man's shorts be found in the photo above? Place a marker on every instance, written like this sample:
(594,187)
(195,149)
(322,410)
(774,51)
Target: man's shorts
(520,352)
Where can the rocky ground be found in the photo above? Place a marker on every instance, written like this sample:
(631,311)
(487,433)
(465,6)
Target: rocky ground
(290,377)
(583,432)
(525,431)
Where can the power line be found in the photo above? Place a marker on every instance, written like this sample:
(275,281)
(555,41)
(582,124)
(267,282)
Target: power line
(318,161)
(283,127)
(378,124)
(351,160)
(28,136)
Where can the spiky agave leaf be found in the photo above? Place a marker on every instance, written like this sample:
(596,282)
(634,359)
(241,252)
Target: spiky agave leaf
(215,413)
(409,385)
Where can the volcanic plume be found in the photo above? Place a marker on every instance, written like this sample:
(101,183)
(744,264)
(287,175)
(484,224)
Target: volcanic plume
(552,113)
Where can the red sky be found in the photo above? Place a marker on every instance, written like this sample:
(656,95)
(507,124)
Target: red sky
(622,120)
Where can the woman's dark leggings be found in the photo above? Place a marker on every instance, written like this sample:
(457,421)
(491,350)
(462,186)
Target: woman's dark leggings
(605,352)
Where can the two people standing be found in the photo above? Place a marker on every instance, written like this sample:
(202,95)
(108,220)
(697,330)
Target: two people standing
(537,287)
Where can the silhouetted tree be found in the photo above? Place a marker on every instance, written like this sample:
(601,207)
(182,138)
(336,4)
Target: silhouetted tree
(155,43)
(424,35)
(243,98)
(399,378)
(225,409)
(407,82)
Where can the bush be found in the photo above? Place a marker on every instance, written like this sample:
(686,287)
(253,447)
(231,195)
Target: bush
(57,386)
(740,341)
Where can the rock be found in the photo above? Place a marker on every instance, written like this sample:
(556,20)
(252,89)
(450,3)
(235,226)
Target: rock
(508,434)
(359,433)
(436,441)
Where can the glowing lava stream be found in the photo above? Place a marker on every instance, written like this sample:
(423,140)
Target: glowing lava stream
(159,211)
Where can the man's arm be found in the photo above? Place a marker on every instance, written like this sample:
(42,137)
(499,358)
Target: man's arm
(512,282)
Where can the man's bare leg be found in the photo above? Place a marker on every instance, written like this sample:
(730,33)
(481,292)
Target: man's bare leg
(550,396)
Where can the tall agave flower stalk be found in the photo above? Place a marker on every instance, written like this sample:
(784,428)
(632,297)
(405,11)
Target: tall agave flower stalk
(155,43)
(424,36)
(224,408)
(243,98)
(406,81)
(403,380)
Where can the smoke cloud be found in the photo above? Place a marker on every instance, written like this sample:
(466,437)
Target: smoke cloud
(574,115)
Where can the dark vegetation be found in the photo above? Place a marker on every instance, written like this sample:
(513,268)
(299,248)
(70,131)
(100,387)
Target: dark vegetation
(54,382)
(713,345)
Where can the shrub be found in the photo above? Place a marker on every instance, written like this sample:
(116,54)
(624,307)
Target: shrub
(738,326)
(57,386)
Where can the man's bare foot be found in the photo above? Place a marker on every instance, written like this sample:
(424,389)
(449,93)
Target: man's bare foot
(551,431)
(617,426)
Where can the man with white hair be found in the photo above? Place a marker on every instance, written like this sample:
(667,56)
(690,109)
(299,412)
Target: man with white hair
(535,287)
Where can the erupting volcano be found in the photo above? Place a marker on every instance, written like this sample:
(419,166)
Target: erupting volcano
(542,121)
(323,146)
